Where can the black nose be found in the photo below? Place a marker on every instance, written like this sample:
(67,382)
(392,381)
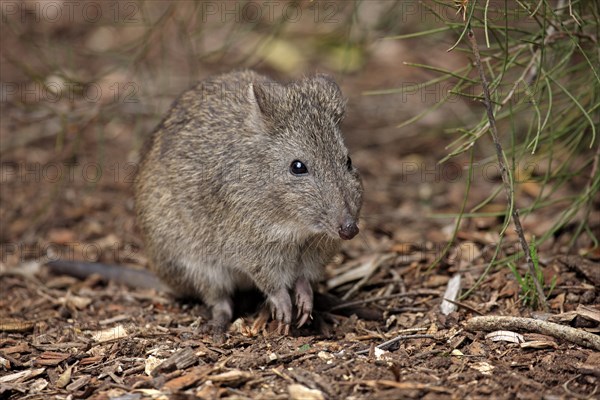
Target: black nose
(348,230)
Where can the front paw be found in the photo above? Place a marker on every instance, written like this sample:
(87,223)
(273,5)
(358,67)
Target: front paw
(281,306)
(304,300)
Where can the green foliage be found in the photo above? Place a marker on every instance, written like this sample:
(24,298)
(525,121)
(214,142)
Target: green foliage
(304,347)
(526,281)
(542,61)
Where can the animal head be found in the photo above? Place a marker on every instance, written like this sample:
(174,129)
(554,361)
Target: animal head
(312,177)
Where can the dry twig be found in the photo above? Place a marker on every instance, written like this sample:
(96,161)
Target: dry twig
(573,335)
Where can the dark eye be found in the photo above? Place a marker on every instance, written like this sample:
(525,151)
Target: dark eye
(298,168)
(349,163)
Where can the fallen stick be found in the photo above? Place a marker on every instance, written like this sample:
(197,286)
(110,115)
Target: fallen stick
(573,335)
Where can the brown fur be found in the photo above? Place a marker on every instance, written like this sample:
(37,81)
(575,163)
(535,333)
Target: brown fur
(218,205)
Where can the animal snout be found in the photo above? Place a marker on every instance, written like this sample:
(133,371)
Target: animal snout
(348,229)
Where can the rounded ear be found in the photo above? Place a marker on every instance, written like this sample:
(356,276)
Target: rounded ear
(329,83)
(265,96)
(330,96)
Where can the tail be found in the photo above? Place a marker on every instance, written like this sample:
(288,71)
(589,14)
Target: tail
(135,278)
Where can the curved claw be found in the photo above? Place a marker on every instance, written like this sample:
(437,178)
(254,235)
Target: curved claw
(305,317)
(283,328)
(304,300)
